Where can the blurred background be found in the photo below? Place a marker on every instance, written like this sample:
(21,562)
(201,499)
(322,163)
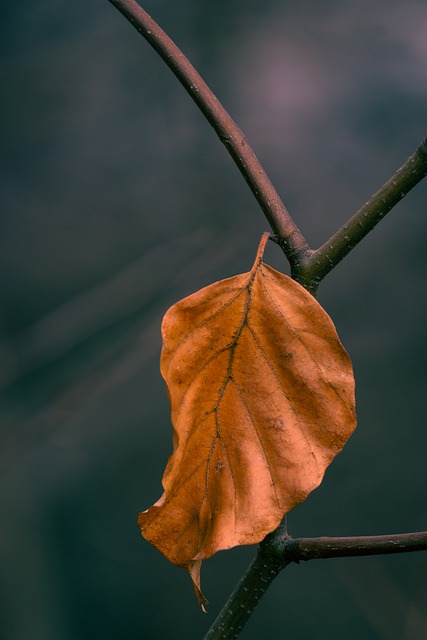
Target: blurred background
(117,200)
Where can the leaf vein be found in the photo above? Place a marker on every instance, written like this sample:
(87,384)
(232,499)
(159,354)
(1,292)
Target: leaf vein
(255,429)
(205,321)
(301,425)
(301,341)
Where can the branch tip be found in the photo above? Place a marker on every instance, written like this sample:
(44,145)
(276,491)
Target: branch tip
(317,264)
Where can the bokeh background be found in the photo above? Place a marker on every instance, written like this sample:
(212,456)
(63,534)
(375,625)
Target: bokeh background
(117,200)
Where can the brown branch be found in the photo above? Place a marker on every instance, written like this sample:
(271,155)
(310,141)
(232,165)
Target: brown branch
(278,550)
(291,239)
(313,267)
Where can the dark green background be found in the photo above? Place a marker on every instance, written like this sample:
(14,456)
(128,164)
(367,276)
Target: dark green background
(117,200)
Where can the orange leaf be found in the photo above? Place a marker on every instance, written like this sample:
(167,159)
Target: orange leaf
(262,400)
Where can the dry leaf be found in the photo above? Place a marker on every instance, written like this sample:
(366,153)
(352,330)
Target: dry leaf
(262,400)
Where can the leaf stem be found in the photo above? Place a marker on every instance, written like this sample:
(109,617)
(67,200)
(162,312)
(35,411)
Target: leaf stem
(313,267)
(281,222)
(278,550)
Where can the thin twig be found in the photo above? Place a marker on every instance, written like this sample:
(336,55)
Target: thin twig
(292,241)
(314,267)
(319,548)
(278,550)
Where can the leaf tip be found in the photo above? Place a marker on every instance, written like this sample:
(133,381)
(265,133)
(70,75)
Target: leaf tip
(193,569)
